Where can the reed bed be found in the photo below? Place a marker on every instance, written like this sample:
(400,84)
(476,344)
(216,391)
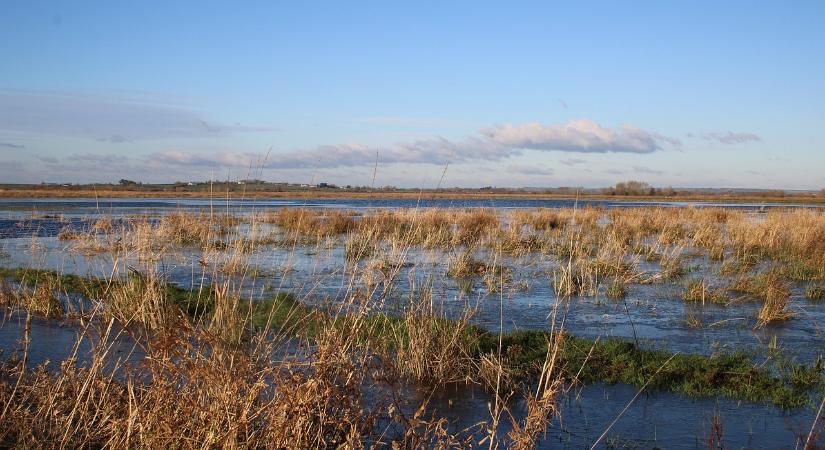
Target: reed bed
(222,369)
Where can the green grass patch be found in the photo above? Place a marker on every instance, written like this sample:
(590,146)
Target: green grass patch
(731,375)
(801,270)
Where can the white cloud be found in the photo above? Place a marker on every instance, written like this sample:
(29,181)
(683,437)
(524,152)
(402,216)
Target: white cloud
(582,136)
(729,137)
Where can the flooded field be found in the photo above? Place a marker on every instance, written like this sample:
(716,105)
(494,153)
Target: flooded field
(561,323)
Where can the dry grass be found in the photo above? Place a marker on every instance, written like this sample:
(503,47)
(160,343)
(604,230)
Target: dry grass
(141,298)
(539,219)
(40,299)
(698,291)
(212,380)
(431,349)
(202,394)
(194,229)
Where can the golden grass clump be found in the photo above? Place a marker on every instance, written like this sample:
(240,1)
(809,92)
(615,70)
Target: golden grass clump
(194,229)
(472,226)
(576,279)
(698,291)
(41,299)
(632,225)
(776,295)
(540,219)
(775,309)
(312,223)
(360,246)
(431,349)
(302,220)
(782,235)
(710,237)
(140,298)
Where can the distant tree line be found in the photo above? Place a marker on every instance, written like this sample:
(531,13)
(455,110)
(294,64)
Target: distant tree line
(639,189)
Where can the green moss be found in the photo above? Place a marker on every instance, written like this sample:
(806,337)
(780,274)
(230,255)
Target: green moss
(616,361)
(284,313)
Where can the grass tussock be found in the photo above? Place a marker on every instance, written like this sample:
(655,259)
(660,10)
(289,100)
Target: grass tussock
(40,299)
(541,219)
(616,291)
(431,349)
(815,292)
(309,222)
(698,291)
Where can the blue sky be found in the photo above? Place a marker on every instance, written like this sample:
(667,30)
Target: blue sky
(516,94)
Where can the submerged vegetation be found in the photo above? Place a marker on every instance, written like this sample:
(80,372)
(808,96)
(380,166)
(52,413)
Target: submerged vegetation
(227,362)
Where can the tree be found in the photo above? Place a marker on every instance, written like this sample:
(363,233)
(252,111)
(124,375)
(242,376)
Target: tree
(633,188)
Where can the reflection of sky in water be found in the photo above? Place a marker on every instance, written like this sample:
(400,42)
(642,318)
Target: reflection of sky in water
(655,314)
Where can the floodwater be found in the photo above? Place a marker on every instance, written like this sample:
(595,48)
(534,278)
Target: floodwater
(653,314)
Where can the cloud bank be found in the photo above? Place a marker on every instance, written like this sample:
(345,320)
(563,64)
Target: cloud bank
(489,144)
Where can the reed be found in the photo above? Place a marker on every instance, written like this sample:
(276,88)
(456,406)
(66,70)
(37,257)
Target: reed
(815,292)
(616,291)
(41,299)
(698,291)
(776,306)
(431,349)
(140,298)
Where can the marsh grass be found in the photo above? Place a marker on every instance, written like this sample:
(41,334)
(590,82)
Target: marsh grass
(540,219)
(464,264)
(698,291)
(201,392)
(815,292)
(40,299)
(693,317)
(140,298)
(776,296)
(432,349)
(616,291)
(225,370)
(194,229)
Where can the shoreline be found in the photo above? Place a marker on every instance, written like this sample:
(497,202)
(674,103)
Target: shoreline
(397,195)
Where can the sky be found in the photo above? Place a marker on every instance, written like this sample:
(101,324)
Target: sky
(415,94)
